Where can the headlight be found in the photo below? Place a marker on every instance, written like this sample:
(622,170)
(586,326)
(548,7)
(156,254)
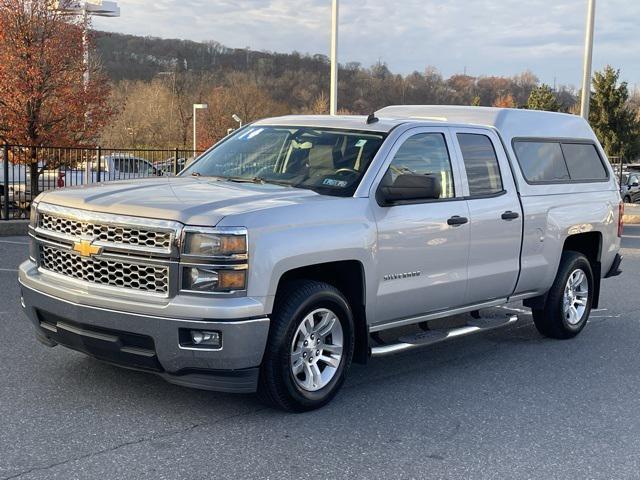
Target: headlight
(215,243)
(214,260)
(211,279)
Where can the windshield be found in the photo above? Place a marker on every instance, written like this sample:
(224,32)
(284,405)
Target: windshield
(328,161)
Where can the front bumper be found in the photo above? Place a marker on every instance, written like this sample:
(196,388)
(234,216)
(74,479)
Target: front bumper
(149,342)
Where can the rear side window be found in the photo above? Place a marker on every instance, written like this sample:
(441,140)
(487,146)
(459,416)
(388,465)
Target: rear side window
(583,162)
(542,161)
(481,164)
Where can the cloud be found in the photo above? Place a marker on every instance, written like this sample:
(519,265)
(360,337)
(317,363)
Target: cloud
(485,36)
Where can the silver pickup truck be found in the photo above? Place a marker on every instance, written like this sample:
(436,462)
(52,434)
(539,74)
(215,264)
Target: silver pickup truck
(300,244)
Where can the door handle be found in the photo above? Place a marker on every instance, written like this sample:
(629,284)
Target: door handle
(457,221)
(510,215)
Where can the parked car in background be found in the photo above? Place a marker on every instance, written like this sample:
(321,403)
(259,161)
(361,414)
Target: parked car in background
(17,194)
(630,187)
(167,167)
(301,243)
(117,166)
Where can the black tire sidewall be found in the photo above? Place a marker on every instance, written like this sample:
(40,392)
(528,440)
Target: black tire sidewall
(322,298)
(578,262)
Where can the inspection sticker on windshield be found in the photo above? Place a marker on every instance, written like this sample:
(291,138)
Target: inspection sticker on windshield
(330,182)
(361,143)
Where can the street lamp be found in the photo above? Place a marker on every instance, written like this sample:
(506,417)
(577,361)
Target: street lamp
(196,107)
(237,119)
(588,61)
(333,109)
(86,9)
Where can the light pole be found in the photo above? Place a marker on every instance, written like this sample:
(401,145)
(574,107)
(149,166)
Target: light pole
(237,119)
(588,60)
(333,109)
(86,9)
(196,107)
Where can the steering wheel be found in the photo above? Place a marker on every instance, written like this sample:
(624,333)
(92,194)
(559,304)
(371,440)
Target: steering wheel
(344,171)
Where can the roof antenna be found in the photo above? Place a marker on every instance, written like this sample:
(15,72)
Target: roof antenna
(372,119)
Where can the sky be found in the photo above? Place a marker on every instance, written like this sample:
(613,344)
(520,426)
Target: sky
(481,37)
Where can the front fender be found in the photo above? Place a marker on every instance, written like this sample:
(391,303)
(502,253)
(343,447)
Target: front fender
(329,229)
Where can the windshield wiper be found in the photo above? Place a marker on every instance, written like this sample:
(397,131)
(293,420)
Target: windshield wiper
(257,181)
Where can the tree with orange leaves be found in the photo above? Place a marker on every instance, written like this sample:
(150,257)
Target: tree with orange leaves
(505,101)
(43,99)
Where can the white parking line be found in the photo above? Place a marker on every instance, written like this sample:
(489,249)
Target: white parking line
(13,243)
(8,269)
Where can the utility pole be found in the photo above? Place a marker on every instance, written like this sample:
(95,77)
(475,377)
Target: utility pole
(334,58)
(588,61)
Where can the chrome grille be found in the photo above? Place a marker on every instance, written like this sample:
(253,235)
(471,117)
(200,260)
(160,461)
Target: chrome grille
(116,234)
(142,277)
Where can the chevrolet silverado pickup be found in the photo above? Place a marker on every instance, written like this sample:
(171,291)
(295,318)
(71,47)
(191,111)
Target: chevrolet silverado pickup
(301,244)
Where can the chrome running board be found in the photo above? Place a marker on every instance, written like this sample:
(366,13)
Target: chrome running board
(432,337)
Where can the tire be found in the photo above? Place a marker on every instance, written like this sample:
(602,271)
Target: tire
(554,321)
(627,199)
(299,392)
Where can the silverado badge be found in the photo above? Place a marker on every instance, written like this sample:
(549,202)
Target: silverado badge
(86,249)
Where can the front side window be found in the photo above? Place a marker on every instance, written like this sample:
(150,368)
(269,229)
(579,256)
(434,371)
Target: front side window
(481,164)
(542,161)
(328,161)
(424,154)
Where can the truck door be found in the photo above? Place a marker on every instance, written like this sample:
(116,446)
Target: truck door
(495,215)
(422,245)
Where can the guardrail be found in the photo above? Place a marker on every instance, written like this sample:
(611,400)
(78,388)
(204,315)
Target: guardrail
(27,171)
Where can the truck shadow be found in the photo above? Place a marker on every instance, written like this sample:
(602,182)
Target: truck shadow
(433,367)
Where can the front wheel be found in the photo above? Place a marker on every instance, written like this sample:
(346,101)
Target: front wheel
(568,305)
(310,347)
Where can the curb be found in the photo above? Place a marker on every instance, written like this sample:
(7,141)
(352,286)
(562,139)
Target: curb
(13,228)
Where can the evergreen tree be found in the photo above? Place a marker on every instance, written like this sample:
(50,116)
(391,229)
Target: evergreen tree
(611,117)
(543,98)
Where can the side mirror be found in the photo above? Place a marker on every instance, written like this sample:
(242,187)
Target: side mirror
(410,187)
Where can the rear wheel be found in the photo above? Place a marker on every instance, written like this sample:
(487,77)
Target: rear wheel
(568,305)
(627,199)
(310,347)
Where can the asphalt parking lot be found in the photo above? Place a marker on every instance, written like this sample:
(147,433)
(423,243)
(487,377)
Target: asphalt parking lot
(508,404)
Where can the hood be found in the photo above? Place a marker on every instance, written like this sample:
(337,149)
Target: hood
(190,200)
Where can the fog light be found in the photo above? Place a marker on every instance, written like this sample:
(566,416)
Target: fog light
(203,338)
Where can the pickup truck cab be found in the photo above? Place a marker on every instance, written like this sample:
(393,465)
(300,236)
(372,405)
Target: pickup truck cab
(300,244)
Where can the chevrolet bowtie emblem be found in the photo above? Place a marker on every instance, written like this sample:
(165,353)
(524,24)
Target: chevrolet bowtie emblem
(86,249)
